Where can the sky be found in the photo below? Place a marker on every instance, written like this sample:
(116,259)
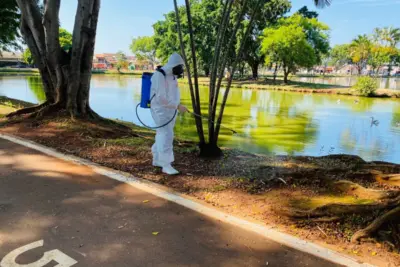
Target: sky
(122,20)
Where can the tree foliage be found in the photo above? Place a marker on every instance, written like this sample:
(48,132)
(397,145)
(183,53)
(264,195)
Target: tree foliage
(122,62)
(206,17)
(360,51)
(340,55)
(144,48)
(380,55)
(9,25)
(268,16)
(307,13)
(295,42)
(387,39)
(375,50)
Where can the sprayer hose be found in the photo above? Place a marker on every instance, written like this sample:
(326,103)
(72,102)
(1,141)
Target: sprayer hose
(156,127)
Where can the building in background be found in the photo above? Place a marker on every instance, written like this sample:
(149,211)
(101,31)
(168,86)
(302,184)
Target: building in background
(107,61)
(12,59)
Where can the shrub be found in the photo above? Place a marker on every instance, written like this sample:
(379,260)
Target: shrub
(366,86)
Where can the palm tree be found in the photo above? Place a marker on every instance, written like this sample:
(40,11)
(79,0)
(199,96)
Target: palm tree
(322,3)
(394,36)
(387,37)
(360,50)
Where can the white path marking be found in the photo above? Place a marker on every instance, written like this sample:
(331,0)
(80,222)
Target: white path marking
(49,256)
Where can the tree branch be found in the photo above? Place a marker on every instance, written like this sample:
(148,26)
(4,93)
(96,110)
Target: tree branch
(214,67)
(37,56)
(238,57)
(87,60)
(225,60)
(53,48)
(82,19)
(195,103)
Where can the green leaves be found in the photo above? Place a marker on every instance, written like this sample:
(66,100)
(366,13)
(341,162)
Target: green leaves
(65,39)
(295,42)
(9,26)
(144,48)
(122,62)
(340,55)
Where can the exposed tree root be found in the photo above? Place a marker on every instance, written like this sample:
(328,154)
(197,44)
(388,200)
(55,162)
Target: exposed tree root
(27,110)
(389,216)
(359,191)
(345,209)
(395,229)
(48,110)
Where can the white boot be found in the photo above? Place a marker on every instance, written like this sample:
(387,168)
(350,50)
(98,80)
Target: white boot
(169,170)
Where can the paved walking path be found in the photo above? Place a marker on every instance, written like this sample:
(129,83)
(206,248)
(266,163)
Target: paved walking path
(79,218)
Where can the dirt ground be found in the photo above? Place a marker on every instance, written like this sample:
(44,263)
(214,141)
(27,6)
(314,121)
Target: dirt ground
(296,195)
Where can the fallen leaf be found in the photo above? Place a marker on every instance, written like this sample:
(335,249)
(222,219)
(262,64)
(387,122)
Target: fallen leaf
(155,233)
(146,201)
(374,253)
(355,252)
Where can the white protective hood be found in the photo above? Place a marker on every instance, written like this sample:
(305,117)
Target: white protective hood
(174,60)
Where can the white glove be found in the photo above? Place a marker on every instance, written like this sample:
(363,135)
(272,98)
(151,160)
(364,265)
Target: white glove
(182,109)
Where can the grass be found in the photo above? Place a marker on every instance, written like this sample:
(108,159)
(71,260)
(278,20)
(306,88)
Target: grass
(13,103)
(22,71)
(116,72)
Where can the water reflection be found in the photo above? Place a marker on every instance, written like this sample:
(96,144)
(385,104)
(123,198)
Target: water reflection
(35,85)
(267,121)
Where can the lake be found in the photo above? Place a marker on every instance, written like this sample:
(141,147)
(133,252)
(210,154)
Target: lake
(267,122)
(384,83)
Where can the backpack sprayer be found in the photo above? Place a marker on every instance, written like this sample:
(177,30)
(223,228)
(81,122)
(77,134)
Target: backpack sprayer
(145,102)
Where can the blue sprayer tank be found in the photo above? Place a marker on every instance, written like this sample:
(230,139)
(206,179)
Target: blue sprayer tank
(146,87)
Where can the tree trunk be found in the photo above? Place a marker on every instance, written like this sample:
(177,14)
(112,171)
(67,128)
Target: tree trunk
(389,68)
(254,70)
(242,70)
(285,74)
(194,95)
(235,63)
(65,76)
(214,91)
(276,71)
(359,69)
(206,71)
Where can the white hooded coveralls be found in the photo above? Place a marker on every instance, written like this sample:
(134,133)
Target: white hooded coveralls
(163,107)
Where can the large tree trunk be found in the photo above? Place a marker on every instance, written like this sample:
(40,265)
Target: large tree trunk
(65,76)
(254,70)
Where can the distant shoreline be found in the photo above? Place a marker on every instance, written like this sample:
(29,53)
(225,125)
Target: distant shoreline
(262,84)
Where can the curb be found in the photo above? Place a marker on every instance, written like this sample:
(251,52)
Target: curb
(155,189)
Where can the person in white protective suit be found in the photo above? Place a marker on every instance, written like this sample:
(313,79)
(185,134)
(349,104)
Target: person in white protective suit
(165,102)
